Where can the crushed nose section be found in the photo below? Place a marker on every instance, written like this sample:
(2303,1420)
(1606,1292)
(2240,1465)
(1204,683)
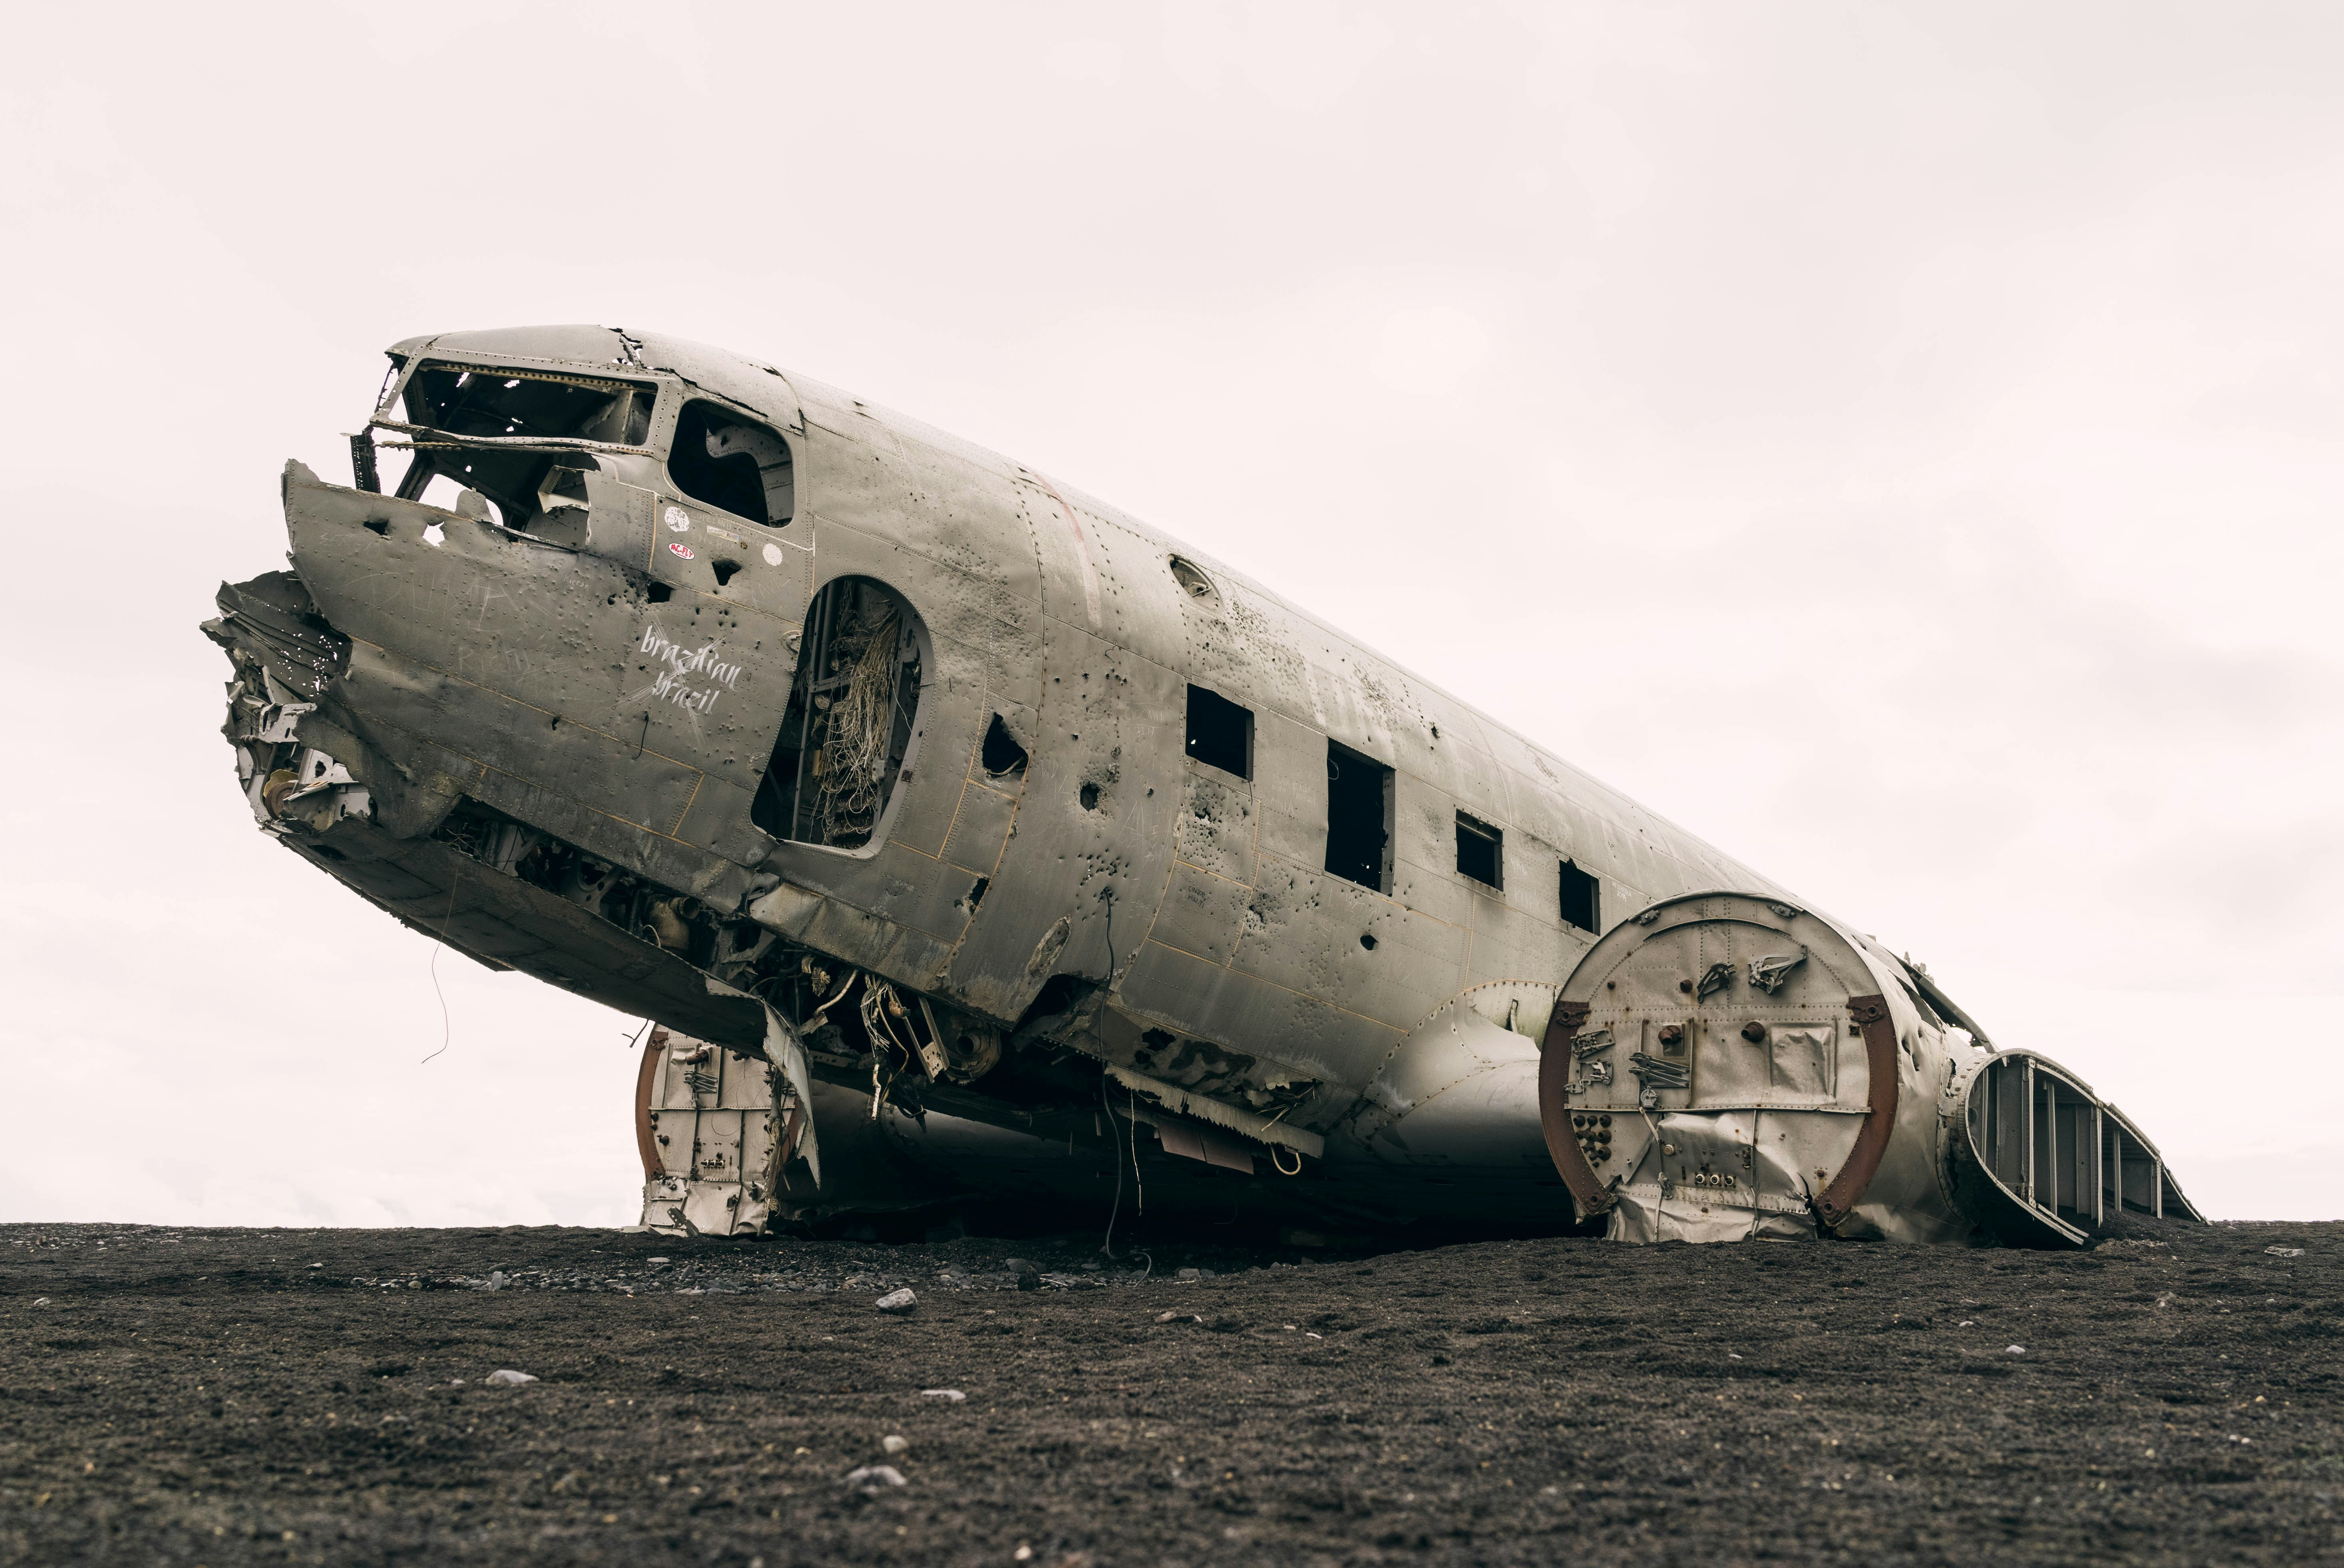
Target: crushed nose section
(529,674)
(286,658)
(277,624)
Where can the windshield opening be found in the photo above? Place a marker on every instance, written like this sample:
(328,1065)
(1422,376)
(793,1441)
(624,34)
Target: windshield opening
(509,404)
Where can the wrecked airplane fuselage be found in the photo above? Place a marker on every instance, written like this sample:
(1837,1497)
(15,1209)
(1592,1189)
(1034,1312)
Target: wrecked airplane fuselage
(969,839)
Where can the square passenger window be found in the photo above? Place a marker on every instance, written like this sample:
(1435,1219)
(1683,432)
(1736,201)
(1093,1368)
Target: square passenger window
(1481,850)
(1582,898)
(1358,818)
(1220,733)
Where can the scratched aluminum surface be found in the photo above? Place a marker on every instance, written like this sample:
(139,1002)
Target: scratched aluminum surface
(563,698)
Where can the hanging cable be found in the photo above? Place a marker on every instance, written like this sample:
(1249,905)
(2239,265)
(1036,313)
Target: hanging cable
(447,1025)
(1106,896)
(852,760)
(1107,1247)
(1139,1188)
(816,1018)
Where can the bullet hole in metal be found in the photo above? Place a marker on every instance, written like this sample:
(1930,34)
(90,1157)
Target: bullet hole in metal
(1000,755)
(1367,941)
(1058,994)
(1088,795)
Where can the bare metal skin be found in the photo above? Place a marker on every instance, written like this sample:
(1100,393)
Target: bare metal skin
(970,838)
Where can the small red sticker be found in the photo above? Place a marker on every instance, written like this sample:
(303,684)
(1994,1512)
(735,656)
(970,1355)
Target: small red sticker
(683,549)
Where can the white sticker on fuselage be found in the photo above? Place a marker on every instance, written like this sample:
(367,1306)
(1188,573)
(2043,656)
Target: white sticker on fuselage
(678,520)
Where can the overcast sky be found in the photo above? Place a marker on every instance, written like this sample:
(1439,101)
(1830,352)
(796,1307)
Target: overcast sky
(1899,443)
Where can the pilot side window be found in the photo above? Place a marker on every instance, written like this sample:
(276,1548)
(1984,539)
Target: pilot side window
(1358,818)
(1481,850)
(733,464)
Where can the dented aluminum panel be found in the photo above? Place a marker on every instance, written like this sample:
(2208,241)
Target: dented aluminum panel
(953,819)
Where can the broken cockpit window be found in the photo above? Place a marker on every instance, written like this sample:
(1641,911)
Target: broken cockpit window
(564,485)
(734,464)
(442,404)
(1001,756)
(847,740)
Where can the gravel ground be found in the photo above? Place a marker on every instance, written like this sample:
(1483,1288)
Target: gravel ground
(215,1397)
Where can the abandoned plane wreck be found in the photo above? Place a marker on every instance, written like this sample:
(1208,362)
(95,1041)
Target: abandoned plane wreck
(969,841)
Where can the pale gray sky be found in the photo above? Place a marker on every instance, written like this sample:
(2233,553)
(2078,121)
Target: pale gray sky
(1898,443)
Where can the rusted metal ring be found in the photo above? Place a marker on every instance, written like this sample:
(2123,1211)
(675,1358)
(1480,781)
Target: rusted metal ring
(1838,1200)
(644,1078)
(1846,1190)
(1587,1190)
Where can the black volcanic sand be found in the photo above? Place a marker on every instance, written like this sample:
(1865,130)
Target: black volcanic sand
(209,1397)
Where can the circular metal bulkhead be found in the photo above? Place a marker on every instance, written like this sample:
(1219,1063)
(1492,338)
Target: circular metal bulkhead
(1720,1065)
